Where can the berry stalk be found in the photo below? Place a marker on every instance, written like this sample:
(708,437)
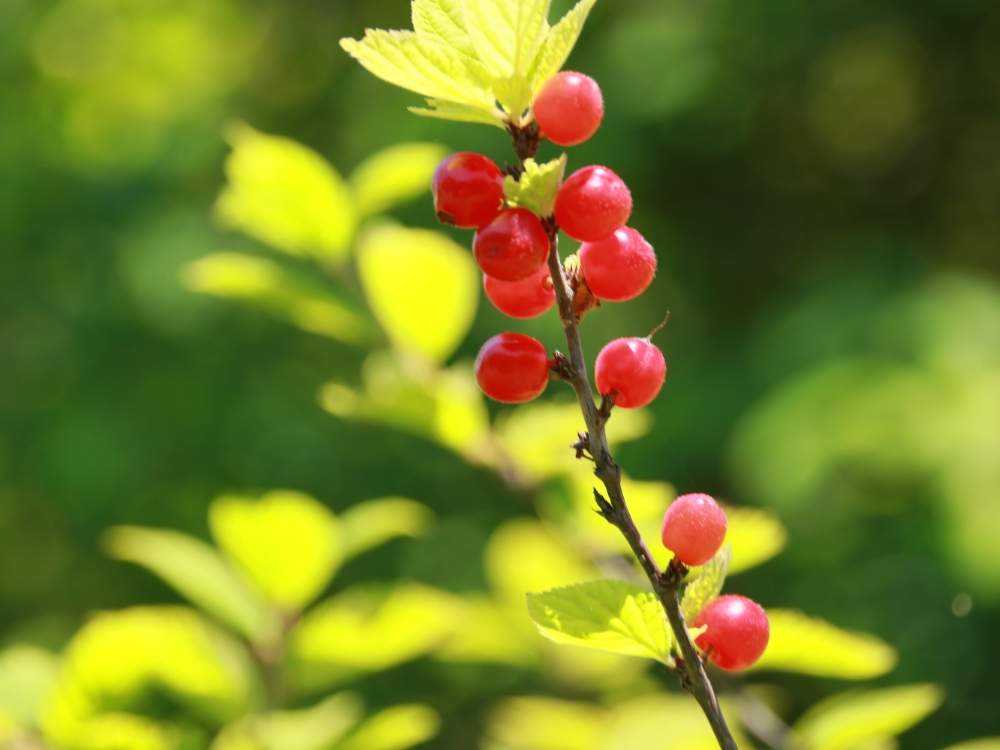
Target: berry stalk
(614,508)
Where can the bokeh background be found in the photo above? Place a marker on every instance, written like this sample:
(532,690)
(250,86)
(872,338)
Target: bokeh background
(821,181)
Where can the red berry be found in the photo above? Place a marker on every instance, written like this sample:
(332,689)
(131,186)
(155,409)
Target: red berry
(632,369)
(512,368)
(569,108)
(513,246)
(693,528)
(619,267)
(737,633)
(526,298)
(592,204)
(468,190)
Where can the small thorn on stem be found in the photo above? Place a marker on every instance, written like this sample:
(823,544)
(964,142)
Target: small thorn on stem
(604,508)
(582,446)
(663,324)
(561,367)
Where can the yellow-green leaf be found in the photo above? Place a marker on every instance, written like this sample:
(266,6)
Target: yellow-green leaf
(663,721)
(755,536)
(197,572)
(506,33)
(706,583)
(538,186)
(394,175)
(314,728)
(422,287)
(811,646)
(559,43)
(444,22)
(27,675)
(846,721)
(545,724)
(440,109)
(395,728)
(491,632)
(374,522)
(287,196)
(606,615)
(983,743)
(288,544)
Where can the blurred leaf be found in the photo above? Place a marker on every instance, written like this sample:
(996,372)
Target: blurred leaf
(289,544)
(706,583)
(27,675)
(559,43)
(848,720)
(395,175)
(811,646)
(538,186)
(292,297)
(489,634)
(121,731)
(545,724)
(983,743)
(315,728)
(395,728)
(286,195)
(374,522)
(754,535)
(422,287)
(197,572)
(659,721)
(605,615)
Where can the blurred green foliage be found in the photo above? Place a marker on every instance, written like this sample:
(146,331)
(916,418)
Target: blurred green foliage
(821,181)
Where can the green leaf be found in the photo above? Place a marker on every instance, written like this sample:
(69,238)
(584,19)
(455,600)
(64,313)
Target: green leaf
(395,728)
(545,724)
(491,633)
(286,295)
(605,615)
(506,33)
(374,522)
(559,43)
(422,287)
(197,572)
(288,544)
(444,22)
(706,583)
(983,743)
(755,536)
(846,721)
(315,728)
(27,676)
(538,186)
(287,196)
(811,646)
(663,721)
(395,175)
(444,110)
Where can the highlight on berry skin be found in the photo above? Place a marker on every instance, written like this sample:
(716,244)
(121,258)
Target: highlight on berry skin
(512,368)
(468,190)
(569,109)
(631,371)
(513,246)
(619,267)
(737,632)
(694,528)
(527,298)
(592,203)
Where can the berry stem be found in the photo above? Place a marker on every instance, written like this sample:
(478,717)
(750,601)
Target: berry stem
(667,584)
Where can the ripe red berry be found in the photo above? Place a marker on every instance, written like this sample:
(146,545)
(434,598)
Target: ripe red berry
(526,298)
(737,633)
(693,528)
(569,108)
(513,246)
(592,204)
(512,368)
(632,369)
(619,267)
(468,190)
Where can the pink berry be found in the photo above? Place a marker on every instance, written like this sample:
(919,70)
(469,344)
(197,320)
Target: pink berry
(592,204)
(693,528)
(526,298)
(513,246)
(737,633)
(468,190)
(620,266)
(569,108)
(632,369)
(512,368)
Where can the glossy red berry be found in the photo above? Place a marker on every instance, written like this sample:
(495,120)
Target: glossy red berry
(632,369)
(512,368)
(569,108)
(694,528)
(513,246)
(619,267)
(592,204)
(526,298)
(738,632)
(468,190)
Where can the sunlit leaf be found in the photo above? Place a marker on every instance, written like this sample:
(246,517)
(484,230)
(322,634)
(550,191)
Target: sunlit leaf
(443,110)
(287,196)
(983,743)
(197,572)
(490,633)
(395,728)
(374,522)
(292,297)
(706,583)
(422,287)
(606,615)
(397,174)
(27,675)
(545,724)
(811,646)
(506,34)
(315,728)
(559,43)
(444,22)
(537,188)
(755,536)
(846,721)
(288,544)
(663,721)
